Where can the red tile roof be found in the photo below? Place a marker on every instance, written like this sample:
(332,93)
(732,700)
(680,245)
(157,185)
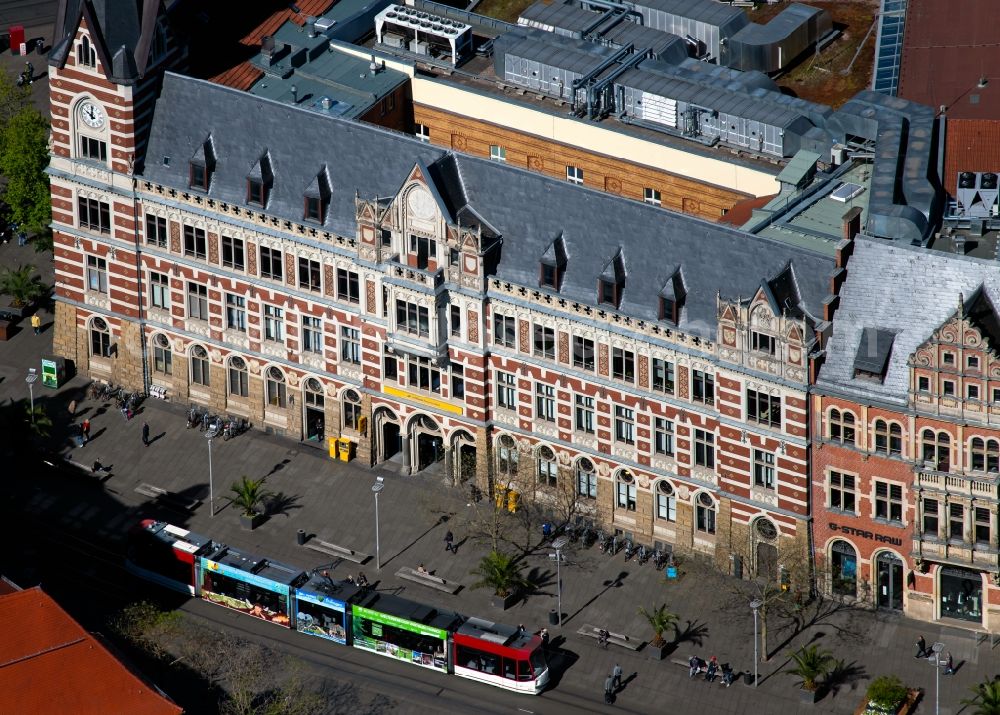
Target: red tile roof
(947,48)
(742,211)
(970,145)
(50,664)
(244,75)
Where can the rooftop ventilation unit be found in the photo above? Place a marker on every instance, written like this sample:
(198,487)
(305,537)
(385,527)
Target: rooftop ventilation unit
(846,192)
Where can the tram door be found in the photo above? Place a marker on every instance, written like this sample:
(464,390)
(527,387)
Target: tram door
(890,581)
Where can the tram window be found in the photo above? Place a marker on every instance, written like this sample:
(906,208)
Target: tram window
(403,639)
(537,661)
(159,558)
(524,670)
(225,586)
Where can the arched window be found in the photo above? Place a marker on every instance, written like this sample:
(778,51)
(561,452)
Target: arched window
(937,449)
(844,569)
(277,391)
(842,427)
(984,455)
(548,467)
(162,355)
(666,501)
(586,478)
(314,393)
(100,338)
(888,438)
(238,377)
(625,488)
(351,408)
(85,54)
(199,366)
(705,513)
(507,456)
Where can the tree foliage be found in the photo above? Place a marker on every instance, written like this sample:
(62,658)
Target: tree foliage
(986,700)
(811,664)
(501,572)
(24,154)
(21,284)
(249,495)
(659,619)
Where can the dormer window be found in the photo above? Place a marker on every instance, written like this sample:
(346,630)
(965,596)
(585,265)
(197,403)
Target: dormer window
(198,178)
(762,343)
(317,198)
(872,358)
(553,265)
(672,298)
(202,165)
(255,192)
(611,282)
(608,293)
(85,55)
(550,276)
(259,181)
(668,310)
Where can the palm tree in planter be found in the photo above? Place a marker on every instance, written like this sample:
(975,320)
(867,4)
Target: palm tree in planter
(249,497)
(811,664)
(659,619)
(503,573)
(22,286)
(987,700)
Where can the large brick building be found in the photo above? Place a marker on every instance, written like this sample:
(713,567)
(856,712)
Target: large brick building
(905,458)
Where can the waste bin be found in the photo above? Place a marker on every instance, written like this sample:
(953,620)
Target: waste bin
(345,448)
(331,445)
(300,537)
(17,45)
(553,617)
(748,677)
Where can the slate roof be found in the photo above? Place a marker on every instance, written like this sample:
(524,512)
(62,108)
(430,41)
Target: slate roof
(905,290)
(122,31)
(527,209)
(50,664)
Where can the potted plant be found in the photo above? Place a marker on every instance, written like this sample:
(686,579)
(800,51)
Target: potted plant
(987,700)
(659,619)
(885,694)
(502,573)
(811,664)
(249,495)
(22,286)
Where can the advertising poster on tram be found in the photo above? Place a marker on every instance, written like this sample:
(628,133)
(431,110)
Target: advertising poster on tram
(245,592)
(399,638)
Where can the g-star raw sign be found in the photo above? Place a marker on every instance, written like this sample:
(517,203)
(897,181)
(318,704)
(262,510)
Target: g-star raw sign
(851,531)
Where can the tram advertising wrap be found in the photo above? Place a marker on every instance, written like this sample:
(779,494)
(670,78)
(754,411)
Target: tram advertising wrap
(399,638)
(245,592)
(319,615)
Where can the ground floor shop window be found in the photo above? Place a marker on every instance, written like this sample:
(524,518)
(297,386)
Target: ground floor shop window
(844,568)
(961,594)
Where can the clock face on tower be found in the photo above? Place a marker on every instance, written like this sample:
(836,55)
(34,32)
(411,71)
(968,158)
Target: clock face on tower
(92,115)
(420,203)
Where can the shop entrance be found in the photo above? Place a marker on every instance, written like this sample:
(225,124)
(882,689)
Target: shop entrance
(391,443)
(429,450)
(315,410)
(961,592)
(890,581)
(844,568)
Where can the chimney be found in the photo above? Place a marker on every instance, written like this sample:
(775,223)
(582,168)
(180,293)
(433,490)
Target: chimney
(374,65)
(851,223)
(311,26)
(267,48)
(295,94)
(326,103)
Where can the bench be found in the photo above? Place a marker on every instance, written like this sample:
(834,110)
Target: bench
(618,639)
(167,498)
(325,547)
(429,580)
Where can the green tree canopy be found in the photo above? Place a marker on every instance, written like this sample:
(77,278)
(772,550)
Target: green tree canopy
(24,154)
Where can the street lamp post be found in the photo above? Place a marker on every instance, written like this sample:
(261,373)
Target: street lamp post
(936,648)
(755,605)
(378,486)
(558,545)
(211,483)
(30,379)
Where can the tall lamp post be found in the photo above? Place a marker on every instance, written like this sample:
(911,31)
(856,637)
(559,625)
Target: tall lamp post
(558,545)
(31,379)
(211,483)
(755,605)
(378,486)
(936,648)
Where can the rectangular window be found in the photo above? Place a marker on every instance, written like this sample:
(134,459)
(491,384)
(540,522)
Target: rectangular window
(309,274)
(255,192)
(423,374)
(586,483)
(842,494)
(624,424)
(498,153)
(156,231)
(545,402)
(608,293)
(663,376)
(94,215)
(95,149)
(623,364)
(506,390)
(703,387)
(574,174)
(312,334)
(425,250)
(923,384)
(97,274)
(705,516)
(763,409)
(195,245)
(888,501)
(651,196)
(626,494)
(348,288)
(271,265)
(412,318)
(972,362)
(422,132)
(233,253)
(197,301)
(197,176)
(948,358)
(666,506)
(390,367)
(663,436)
(313,209)
(585,414)
(983,526)
(455,321)
(544,342)
(274,323)
(948,388)
(159,290)
(350,345)
(996,395)
(929,526)
(236,312)
(550,276)
(505,330)
(583,353)
(972,392)
(453,256)
(956,521)
(762,343)
(457,381)
(763,469)
(704,449)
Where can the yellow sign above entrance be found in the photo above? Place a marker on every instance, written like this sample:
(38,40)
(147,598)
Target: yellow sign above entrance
(442,405)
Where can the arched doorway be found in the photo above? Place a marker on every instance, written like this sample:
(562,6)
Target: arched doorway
(765,535)
(387,434)
(314,414)
(464,450)
(889,581)
(429,445)
(843,569)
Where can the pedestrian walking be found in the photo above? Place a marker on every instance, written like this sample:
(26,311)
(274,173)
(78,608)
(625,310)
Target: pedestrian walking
(145,433)
(949,664)
(921,648)
(545,638)
(617,675)
(36,323)
(85,430)
(449,542)
(609,692)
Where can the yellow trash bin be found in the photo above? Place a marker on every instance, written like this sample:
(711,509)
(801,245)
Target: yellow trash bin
(331,445)
(345,447)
